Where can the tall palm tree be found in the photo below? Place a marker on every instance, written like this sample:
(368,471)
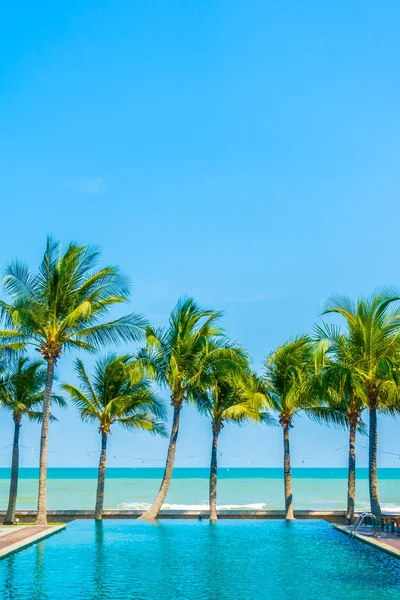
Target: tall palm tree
(228,394)
(344,392)
(61,307)
(373,334)
(290,388)
(119,392)
(21,392)
(174,356)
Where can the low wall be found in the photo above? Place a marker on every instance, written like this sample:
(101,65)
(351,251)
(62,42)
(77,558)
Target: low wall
(62,516)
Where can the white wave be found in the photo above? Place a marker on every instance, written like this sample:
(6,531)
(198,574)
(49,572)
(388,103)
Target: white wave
(386,507)
(143,506)
(390,507)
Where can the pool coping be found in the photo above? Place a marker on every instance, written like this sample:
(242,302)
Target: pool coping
(29,539)
(63,515)
(375,542)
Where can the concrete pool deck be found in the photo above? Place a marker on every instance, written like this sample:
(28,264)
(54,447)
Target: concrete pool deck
(388,542)
(17,537)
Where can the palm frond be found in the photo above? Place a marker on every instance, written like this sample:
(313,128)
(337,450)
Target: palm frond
(126,329)
(22,384)
(87,409)
(119,391)
(64,303)
(145,422)
(326,415)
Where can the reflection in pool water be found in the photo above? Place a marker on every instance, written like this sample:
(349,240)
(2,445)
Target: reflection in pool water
(303,560)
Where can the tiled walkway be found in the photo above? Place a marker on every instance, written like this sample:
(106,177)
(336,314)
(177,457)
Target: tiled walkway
(21,536)
(389,542)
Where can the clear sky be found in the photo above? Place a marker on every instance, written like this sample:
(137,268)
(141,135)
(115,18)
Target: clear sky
(245,153)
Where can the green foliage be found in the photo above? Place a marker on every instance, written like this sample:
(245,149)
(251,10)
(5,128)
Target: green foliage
(342,387)
(227,389)
(22,386)
(365,358)
(288,377)
(119,391)
(333,378)
(293,382)
(62,305)
(176,356)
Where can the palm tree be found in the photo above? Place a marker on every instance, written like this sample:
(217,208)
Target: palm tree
(61,307)
(21,392)
(344,392)
(373,334)
(174,356)
(290,388)
(119,392)
(228,394)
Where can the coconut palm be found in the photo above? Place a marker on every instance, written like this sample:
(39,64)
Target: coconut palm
(61,307)
(344,392)
(21,392)
(174,356)
(291,386)
(229,394)
(373,335)
(119,392)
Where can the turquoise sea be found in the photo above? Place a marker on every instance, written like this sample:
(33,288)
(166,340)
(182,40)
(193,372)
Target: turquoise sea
(130,488)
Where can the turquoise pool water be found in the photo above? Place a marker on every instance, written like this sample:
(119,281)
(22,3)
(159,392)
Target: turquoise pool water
(190,560)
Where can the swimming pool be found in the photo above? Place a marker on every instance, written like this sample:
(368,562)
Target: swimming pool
(190,560)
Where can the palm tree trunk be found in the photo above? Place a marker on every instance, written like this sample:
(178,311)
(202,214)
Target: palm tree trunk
(98,511)
(41,517)
(287,474)
(351,480)
(213,474)
(152,512)
(373,451)
(12,501)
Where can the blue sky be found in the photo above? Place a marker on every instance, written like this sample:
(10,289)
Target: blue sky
(243,153)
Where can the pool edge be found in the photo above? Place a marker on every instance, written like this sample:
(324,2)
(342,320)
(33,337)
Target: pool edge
(372,542)
(30,540)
